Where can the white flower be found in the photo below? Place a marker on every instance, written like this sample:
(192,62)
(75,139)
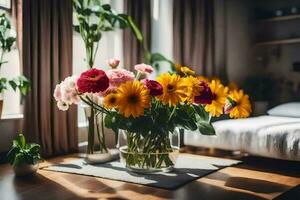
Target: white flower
(66,94)
(68,90)
(62,106)
(57,93)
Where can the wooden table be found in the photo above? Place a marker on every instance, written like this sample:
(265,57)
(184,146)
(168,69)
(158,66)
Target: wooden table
(256,178)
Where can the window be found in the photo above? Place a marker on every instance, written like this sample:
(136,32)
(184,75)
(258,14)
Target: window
(10,70)
(5,4)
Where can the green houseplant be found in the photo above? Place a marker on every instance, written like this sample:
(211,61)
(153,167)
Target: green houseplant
(7,40)
(23,156)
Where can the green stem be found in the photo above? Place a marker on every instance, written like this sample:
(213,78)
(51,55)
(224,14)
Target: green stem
(172,113)
(103,147)
(1,58)
(143,150)
(91,119)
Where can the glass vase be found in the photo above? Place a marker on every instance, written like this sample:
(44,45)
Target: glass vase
(149,153)
(97,151)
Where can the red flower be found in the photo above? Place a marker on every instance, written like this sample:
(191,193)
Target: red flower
(154,87)
(206,95)
(93,80)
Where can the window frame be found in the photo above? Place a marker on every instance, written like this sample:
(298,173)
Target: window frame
(2,7)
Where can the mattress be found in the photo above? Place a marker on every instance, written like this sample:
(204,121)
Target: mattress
(269,136)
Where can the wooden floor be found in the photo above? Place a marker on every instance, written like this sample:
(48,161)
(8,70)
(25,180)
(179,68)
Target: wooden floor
(255,178)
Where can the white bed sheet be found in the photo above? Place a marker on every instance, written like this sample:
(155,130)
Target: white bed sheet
(270,136)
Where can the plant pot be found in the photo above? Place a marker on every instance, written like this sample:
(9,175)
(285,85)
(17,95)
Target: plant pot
(150,153)
(26,169)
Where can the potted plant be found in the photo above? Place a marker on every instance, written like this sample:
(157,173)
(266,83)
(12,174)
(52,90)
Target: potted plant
(7,40)
(23,156)
(261,89)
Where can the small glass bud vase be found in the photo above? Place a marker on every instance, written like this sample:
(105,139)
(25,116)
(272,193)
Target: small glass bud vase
(97,151)
(149,153)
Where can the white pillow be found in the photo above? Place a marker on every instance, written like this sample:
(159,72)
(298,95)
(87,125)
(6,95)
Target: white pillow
(286,110)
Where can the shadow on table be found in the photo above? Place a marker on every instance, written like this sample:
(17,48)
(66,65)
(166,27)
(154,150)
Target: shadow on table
(171,181)
(36,187)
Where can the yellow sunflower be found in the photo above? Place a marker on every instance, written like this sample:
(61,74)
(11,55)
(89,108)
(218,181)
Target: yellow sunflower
(133,98)
(233,86)
(217,79)
(188,71)
(184,70)
(241,104)
(174,89)
(203,78)
(219,98)
(194,88)
(111,100)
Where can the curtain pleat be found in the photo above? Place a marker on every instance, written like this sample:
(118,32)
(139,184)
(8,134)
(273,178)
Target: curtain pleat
(140,11)
(47,60)
(194,35)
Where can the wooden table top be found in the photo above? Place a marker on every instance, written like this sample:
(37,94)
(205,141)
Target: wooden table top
(255,178)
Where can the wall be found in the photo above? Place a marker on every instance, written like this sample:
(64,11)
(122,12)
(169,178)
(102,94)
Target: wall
(238,42)
(162,31)
(278,59)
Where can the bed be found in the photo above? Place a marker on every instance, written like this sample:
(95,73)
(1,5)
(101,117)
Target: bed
(268,136)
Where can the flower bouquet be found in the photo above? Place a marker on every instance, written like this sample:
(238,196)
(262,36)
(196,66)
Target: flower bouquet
(149,112)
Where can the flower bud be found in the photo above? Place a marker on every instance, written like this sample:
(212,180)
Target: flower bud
(113,63)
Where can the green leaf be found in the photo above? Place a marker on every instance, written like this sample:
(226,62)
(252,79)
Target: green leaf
(203,115)
(21,141)
(185,118)
(22,83)
(76,28)
(19,159)
(106,7)
(3,84)
(206,128)
(12,153)
(111,121)
(13,84)
(34,148)
(138,34)
(155,58)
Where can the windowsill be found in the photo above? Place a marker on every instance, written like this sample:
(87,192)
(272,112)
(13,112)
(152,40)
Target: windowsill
(83,124)
(11,116)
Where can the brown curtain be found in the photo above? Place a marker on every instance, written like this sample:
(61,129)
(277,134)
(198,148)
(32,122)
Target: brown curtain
(141,13)
(47,59)
(194,35)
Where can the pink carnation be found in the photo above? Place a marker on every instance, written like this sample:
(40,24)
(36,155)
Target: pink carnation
(118,76)
(143,68)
